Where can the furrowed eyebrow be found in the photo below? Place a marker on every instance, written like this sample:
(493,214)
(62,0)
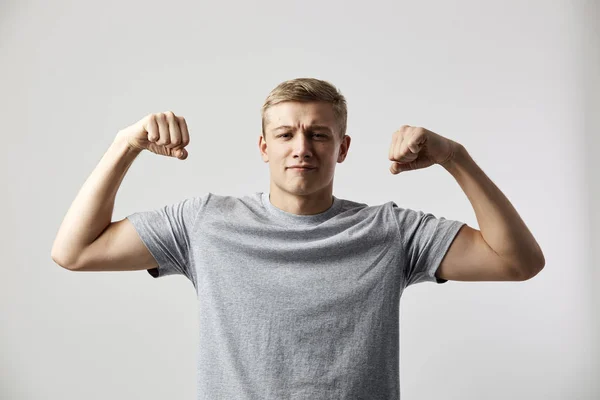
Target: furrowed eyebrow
(311,127)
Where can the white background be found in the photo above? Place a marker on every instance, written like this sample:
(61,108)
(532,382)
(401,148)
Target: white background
(515,82)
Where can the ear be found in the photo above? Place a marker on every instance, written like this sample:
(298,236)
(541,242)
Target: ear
(344,146)
(262,147)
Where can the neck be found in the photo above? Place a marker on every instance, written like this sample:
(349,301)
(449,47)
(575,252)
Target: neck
(301,204)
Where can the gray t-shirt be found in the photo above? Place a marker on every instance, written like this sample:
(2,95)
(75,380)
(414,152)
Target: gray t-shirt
(296,306)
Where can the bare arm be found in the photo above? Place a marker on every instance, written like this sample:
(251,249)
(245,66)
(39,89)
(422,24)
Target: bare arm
(87,239)
(91,212)
(504,248)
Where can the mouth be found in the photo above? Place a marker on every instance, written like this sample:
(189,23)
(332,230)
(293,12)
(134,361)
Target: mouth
(301,171)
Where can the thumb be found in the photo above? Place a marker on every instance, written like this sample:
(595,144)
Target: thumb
(181,154)
(396,168)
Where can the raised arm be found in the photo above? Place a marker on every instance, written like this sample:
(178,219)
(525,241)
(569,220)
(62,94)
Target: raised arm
(87,240)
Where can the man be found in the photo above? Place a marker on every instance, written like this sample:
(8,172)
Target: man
(298,290)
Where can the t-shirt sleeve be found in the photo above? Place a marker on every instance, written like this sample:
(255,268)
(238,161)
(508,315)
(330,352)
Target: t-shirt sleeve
(425,240)
(167,232)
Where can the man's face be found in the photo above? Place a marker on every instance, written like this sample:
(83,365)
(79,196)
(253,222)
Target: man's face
(299,133)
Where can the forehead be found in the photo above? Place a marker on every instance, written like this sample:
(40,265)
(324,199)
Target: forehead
(300,113)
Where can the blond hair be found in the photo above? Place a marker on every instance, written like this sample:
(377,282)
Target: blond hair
(308,90)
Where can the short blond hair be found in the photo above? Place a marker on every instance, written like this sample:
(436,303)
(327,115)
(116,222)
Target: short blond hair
(308,90)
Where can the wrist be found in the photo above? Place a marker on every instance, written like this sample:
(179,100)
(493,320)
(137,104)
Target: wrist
(122,144)
(459,155)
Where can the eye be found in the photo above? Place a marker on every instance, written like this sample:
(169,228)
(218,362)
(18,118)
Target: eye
(314,134)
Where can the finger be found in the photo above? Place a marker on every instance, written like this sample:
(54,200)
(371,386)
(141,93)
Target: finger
(163,130)
(174,132)
(399,150)
(185,135)
(416,141)
(413,146)
(152,128)
(393,146)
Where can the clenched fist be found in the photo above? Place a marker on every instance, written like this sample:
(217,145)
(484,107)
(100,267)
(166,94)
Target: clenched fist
(414,147)
(161,133)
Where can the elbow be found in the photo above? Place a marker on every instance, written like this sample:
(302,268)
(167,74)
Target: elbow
(532,265)
(62,262)
(530,272)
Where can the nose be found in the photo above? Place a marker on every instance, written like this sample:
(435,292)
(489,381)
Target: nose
(302,147)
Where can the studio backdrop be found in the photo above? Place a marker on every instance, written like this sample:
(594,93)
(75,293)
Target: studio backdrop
(516,83)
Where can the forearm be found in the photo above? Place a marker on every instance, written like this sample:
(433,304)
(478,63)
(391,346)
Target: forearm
(499,223)
(91,211)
